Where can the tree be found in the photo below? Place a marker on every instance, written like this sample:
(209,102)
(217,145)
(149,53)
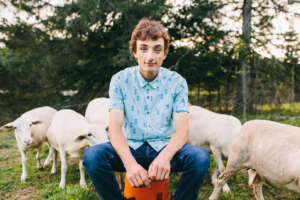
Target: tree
(255,36)
(246,39)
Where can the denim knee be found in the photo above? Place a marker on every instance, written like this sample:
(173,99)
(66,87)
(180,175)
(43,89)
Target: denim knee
(88,158)
(201,159)
(92,158)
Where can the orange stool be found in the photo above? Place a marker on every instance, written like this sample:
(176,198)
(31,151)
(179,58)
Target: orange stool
(159,190)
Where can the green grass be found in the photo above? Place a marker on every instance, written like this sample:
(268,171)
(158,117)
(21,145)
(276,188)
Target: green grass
(41,185)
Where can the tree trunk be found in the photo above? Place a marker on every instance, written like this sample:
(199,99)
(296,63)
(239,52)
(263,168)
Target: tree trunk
(293,103)
(246,37)
(219,101)
(198,94)
(227,99)
(209,100)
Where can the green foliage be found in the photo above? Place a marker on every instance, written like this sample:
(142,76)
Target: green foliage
(96,42)
(85,42)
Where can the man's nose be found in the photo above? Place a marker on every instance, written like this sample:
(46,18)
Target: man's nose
(150,56)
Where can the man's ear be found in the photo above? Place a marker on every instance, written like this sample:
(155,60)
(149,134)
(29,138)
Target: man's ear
(7,126)
(165,55)
(134,55)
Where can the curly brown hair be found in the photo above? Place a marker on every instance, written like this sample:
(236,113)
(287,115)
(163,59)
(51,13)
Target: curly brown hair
(146,29)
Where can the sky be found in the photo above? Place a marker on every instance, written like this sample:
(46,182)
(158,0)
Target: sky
(281,25)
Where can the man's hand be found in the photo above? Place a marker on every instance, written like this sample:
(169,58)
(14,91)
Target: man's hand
(159,169)
(137,175)
(161,166)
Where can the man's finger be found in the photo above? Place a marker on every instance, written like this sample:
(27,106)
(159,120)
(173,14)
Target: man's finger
(150,171)
(159,174)
(167,174)
(131,182)
(134,182)
(145,179)
(164,174)
(153,173)
(139,180)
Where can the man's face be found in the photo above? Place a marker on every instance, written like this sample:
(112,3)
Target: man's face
(150,56)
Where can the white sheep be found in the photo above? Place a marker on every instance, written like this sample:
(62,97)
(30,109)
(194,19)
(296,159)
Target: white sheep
(271,151)
(97,111)
(215,132)
(70,134)
(30,132)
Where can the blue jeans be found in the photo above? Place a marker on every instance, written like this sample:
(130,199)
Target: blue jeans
(102,160)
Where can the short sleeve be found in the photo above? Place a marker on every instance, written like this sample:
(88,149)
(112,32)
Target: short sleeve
(181,97)
(115,93)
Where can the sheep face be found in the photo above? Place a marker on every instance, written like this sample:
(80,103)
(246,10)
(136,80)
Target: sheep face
(22,129)
(97,134)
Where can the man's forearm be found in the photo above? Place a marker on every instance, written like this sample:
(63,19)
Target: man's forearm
(179,138)
(120,144)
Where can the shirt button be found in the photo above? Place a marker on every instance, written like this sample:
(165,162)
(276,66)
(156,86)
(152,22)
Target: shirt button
(148,113)
(148,97)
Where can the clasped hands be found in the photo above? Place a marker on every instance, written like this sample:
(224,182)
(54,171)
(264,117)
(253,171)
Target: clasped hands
(139,177)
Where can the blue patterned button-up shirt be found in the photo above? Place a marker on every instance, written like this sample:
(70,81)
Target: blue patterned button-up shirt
(148,106)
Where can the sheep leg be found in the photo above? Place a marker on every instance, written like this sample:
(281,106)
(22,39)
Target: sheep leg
(257,188)
(38,157)
(54,159)
(24,171)
(64,166)
(218,157)
(251,175)
(220,183)
(49,157)
(82,174)
(214,176)
(235,163)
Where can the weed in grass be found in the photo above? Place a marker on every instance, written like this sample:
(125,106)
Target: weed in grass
(4,146)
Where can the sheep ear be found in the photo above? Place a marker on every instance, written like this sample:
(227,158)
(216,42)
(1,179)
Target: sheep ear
(7,126)
(81,137)
(36,122)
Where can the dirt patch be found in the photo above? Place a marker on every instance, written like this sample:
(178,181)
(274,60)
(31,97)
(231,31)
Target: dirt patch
(20,194)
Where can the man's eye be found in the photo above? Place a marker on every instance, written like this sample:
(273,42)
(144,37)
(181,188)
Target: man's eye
(157,50)
(143,49)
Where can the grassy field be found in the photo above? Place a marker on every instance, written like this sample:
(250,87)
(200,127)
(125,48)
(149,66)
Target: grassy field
(41,184)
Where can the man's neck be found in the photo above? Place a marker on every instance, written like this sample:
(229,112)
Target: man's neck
(150,76)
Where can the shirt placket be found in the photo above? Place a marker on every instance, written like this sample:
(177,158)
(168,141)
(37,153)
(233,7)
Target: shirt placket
(147,108)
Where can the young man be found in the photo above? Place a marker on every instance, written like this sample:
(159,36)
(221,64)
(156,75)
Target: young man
(148,124)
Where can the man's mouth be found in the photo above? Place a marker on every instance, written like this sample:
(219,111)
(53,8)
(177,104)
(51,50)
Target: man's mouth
(150,64)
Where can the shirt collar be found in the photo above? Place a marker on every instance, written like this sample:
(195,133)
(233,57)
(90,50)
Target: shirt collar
(143,82)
